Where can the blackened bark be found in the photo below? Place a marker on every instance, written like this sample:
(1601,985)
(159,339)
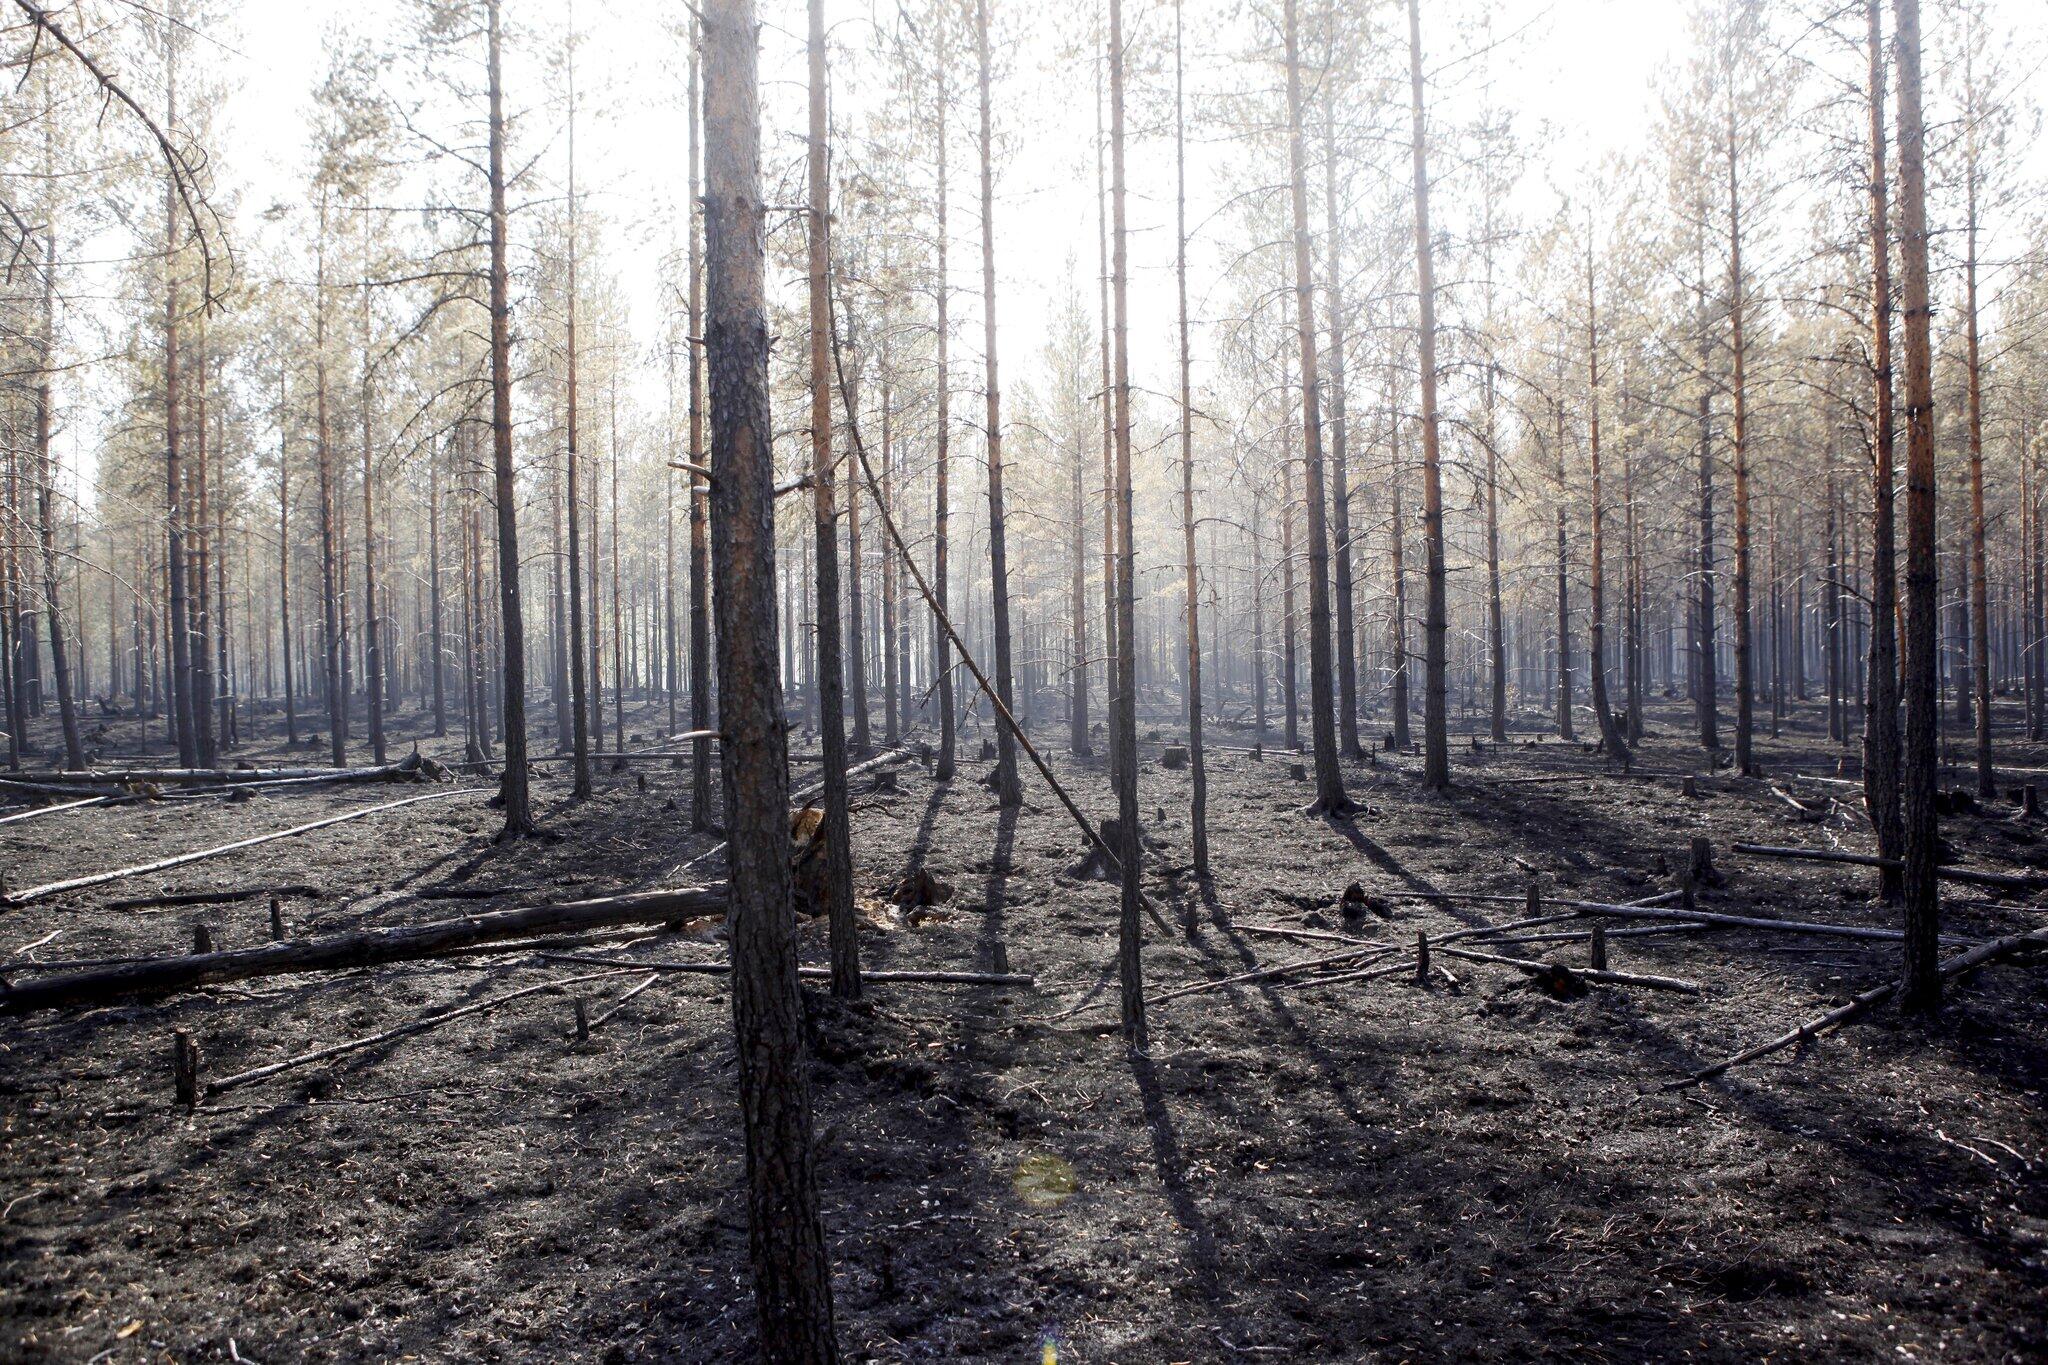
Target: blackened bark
(792,1271)
(512,789)
(1920,989)
(838,837)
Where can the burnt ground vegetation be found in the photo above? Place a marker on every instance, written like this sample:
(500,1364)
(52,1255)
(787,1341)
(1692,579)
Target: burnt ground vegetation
(1362,1170)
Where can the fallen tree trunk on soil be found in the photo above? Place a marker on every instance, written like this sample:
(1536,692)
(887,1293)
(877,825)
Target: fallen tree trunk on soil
(1783,926)
(1983,955)
(356,948)
(36,893)
(406,769)
(1587,974)
(2005,881)
(809,973)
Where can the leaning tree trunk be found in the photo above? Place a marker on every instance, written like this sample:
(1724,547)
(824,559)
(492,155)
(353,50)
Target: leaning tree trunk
(1920,990)
(513,787)
(837,833)
(1436,752)
(1009,791)
(792,1269)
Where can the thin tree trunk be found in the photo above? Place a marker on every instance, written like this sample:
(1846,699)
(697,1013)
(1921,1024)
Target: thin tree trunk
(513,788)
(791,1266)
(330,579)
(1436,759)
(1198,797)
(942,656)
(837,833)
(1340,471)
(1745,679)
(1611,738)
(1881,752)
(1330,797)
(1980,617)
(1009,790)
(1920,989)
(700,487)
(1130,851)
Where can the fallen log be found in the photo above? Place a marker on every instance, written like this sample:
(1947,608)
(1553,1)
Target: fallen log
(809,973)
(1783,926)
(1982,955)
(36,893)
(2007,881)
(356,948)
(407,767)
(1655,983)
(1345,959)
(20,786)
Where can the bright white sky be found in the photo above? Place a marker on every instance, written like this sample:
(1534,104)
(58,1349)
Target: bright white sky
(1582,67)
(1579,74)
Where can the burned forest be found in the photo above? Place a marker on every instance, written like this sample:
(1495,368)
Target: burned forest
(1023,680)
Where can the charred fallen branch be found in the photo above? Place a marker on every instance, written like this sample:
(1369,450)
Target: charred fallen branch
(1983,955)
(356,948)
(2004,881)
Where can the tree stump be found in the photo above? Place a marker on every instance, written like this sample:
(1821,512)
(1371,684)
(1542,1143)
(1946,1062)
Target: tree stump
(1298,771)
(1421,957)
(202,937)
(2030,800)
(185,1068)
(1598,951)
(276,921)
(1689,786)
(1174,757)
(988,750)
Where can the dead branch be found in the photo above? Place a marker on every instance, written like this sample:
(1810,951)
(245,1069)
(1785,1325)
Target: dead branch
(1982,955)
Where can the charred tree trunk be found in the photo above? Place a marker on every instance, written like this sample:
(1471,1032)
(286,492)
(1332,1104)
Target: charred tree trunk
(1340,471)
(837,833)
(944,765)
(1436,753)
(1611,738)
(700,487)
(792,1269)
(1330,797)
(513,788)
(1009,790)
(1920,989)
(1129,852)
(1198,796)
(1881,754)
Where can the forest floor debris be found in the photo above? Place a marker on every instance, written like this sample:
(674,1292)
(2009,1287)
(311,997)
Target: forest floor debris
(1353,1168)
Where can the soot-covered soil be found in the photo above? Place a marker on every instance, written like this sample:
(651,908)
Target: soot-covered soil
(1364,1170)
